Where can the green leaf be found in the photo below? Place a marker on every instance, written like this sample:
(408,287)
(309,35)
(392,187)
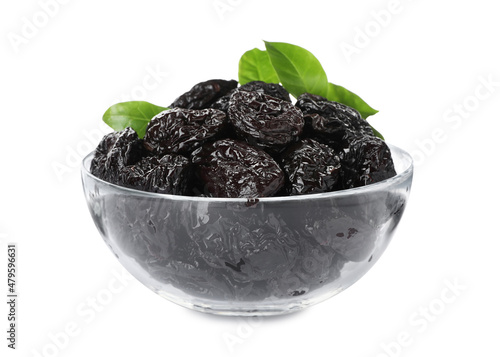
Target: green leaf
(298,70)
(136,115)
(255,65)
(339,94)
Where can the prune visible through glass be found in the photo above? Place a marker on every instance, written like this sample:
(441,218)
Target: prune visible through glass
(182,130)
(203,94)
(114,152)
(265,121)
(342,226)
(229,168)
(368,160)
(331,123)
(310,167)
(247,246)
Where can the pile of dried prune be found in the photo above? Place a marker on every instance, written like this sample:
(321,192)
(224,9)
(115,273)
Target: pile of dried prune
(220,140)
(251,141)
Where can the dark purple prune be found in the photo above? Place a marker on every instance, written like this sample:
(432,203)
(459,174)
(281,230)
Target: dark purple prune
(97,166)
(264,121)
(272,89)
(180,131)
(223,102)
(230,168)
(116,151)
(127,150)
(331,123)
(170,174)
(203,94)
(310,167)
(368,160)
(107,142)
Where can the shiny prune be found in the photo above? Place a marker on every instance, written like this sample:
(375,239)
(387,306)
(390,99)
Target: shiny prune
(310,167)
(247,245)
(223,102)
(203,94)
(116,151)
(367,160)
(331,123)
(170,174)
(180,131)
(230,168)
(97,166)
(272,89)
(263,121)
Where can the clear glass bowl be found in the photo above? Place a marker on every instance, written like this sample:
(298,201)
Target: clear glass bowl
(242,257)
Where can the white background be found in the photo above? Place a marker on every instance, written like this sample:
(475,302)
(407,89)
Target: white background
(424,67)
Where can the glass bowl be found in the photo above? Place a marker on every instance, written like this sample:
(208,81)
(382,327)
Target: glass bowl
(234,256)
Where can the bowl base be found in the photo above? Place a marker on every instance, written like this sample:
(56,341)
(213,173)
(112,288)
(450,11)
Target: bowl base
(246,308)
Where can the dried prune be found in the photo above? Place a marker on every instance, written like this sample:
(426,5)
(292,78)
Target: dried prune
(223,102)
(310,167)
(341,227)
(272,89)
(181,131)
(114,152)
(203,94)
(97,166)
(230,168)
(368,160)
(246,245)
(264,121)
(170,174)
(331,123)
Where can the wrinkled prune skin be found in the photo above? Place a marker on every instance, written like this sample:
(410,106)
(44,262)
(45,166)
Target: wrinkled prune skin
(264,121)
(116,151)
(170,174)
(230,168)
(331,123)
(203,94)
(180,131)
(97,166)
(310,167)
(272,89)
(223,102)
(341,224)
(231,252)
(262,246)
(367,160)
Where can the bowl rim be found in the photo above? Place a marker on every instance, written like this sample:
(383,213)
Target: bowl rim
(408,171)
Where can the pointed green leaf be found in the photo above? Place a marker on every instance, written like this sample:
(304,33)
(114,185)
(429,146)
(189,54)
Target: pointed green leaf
(135,114)
(255,65)
(339,94)
(298,70)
